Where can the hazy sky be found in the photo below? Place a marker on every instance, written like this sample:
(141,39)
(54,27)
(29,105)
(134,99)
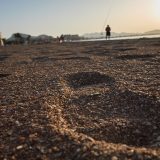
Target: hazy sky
(55,17)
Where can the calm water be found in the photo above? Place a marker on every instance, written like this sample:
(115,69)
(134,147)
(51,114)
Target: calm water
(137,37)
(119,38)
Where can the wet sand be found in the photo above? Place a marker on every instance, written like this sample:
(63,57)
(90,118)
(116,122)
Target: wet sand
(83,100)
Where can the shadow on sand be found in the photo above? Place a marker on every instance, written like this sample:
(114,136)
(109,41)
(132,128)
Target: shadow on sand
(3,57)
(136,57)
(117,117)
(82,79)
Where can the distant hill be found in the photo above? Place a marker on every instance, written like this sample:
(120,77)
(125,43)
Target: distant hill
(157,31)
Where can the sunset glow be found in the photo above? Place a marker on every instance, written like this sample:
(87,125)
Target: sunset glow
(157,9)
(54,17)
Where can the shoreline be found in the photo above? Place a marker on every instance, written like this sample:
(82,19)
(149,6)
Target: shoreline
(120,38)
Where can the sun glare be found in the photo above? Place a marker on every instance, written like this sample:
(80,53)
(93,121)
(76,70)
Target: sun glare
(157,8)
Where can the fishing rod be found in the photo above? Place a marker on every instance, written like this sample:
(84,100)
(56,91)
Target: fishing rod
(107,17)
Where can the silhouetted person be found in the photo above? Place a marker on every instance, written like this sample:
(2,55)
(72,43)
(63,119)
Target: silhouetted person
(61,39)
(108,32)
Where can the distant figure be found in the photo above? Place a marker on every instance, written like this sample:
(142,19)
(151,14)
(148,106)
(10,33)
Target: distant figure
(27,41)
(1,40)
(108,32)
(61,39)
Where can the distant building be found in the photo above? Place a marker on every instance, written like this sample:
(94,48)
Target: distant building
(69,37)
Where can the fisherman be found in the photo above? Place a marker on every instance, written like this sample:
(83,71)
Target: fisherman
(1,40)
(108,32)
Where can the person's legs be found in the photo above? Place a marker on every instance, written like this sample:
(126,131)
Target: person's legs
(106,36)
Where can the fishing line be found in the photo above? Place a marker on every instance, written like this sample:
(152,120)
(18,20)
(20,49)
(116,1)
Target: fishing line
(107,17)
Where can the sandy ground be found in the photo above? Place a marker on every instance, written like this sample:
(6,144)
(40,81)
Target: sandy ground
(84,100)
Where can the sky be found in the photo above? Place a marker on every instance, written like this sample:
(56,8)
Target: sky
(56,17)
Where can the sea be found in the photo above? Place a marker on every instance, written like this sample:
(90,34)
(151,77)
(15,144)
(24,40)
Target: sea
(120,38)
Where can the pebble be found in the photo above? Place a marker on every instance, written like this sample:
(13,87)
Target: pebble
(78,150)
(140,157)
(95,153)
(148,123)
(155,127)
(10,132)
(55,149)
(21,104)
(114,158)
(58,155)
(156,144)
(41,148)
(137,131)
(18,123)
(19,147)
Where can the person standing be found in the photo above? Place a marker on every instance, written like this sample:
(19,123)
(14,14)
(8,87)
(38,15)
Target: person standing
(61,38)
(108,32)
(1,40)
